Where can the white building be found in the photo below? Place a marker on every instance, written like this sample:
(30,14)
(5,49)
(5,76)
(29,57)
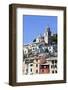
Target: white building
(52,61)
(30,68)
(37,40)
(51,49)
(33,68)
(25,50)
(25,68)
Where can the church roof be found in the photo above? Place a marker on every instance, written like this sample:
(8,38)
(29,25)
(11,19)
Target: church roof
(48,29)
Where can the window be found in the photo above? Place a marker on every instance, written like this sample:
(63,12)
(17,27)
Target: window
(36,71)
(47,66)
(53,71)
(31,69)
(36,65)
(33,48)
(52,61)
(51,66)
(26,70)
(55,66)
(31,64)
(46,50)
(36,60)
(42,70)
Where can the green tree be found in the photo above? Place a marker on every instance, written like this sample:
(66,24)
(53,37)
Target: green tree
(54,38)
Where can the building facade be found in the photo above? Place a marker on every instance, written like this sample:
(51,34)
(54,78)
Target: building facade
(40,57)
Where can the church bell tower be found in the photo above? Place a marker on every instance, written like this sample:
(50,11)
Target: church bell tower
(47,35)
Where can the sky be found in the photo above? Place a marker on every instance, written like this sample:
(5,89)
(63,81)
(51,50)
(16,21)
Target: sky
(36,25)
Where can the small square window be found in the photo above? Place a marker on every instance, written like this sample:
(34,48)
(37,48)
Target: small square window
(33,48)
(31,64)
(36,60)
(51,66)
(36,71)
(55,66)
(42,70)
(36,65)
(53,71)
(31,69)
(52,61)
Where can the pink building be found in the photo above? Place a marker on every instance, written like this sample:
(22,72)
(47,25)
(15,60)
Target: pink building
(44,69)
